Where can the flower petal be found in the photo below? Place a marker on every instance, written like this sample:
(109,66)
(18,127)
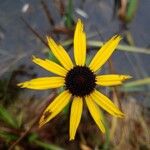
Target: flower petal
(111,79)
(106,104)
(95,113)
(43,83)
(75,116)
(104,53)
(50,66)
(60,53)
(55,107)
(79,44)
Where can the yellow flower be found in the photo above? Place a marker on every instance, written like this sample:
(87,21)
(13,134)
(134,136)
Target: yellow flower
(79,81)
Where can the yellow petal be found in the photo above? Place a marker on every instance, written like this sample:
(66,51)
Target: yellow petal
(111,79)
(95,113)
(79,44)
(104,53)
(55,107)
(60,53)
(75,116)
(50,66)
(106,104)
(43,83)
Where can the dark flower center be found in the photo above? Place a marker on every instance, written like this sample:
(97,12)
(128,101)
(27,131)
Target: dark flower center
(80,81)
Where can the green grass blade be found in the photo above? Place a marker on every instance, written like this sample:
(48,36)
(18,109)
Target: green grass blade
(107,133)
(120,47)
(8,136)
(132,89)
(33,138)
(141,82)
(47,145)
(131,10)
(7,117)
(52,57)
(69,14)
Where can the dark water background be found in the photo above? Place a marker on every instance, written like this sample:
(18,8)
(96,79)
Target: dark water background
(16,39)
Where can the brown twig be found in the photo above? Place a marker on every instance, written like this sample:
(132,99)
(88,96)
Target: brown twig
(60,6)
(35,32)
(47,12)
(35,121)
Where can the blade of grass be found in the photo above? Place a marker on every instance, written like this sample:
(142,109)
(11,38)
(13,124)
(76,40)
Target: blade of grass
(69,14)
(34,32)
(7,136)
(52,57)
(47,12)
(132,89)
(131,10)
(7,117)
(47,146)
(33,138)
(107,133)
(120,47)
(141,82)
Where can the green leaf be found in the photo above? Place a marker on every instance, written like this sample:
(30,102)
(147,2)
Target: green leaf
(88,59)
(131,10)
(66,109)
(8,136)
(19,119)
(7,117)
(32,137)
(47,146)
(107,133)
(69,15)
(52,57)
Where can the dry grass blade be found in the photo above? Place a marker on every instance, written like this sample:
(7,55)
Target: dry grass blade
(35,32)
(47,12)
(122,47)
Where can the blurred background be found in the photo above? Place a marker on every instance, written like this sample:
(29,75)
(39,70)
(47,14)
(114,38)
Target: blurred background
(24,25)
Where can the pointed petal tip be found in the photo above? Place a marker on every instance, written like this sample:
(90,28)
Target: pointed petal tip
(41,122)
(128,77)
(120,115)
(71,138)
(79,24)
(33,57)
(79,20)
(40,125)
(48,37)
(117,36)
(20,85)
(103,130)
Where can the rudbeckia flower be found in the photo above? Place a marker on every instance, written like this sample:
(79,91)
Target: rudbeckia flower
(79,81)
